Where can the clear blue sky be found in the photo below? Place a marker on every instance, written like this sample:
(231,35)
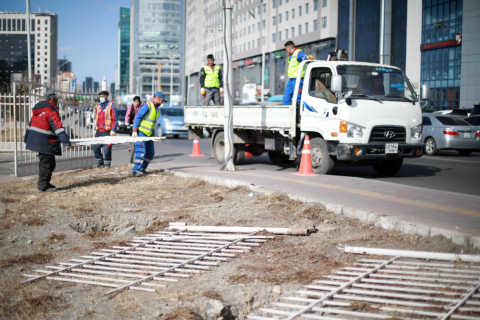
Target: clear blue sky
(87,32)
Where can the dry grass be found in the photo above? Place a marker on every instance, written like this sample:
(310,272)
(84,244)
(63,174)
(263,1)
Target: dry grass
(212,294)
(37,258)
(183,313)
(57,237)
(35,222)
(156,226)
(27,306)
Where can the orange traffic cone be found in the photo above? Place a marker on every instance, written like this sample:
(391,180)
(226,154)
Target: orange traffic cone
(248,154)
(196,149)
(306,162)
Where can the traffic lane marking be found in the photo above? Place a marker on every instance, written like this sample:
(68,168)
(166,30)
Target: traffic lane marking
(362,192)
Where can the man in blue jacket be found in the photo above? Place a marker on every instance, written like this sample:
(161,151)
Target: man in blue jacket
(297,56)
(43,135)
(144,126)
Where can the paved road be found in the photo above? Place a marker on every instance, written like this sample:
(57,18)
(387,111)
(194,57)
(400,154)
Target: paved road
(447,171)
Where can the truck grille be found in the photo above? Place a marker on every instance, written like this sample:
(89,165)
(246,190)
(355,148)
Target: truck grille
(384,134)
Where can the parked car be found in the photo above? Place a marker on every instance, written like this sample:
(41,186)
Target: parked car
(121,125)
(170,122)
(461,112)
(474,120)
(446,132)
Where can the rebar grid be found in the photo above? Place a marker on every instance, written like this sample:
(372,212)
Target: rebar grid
(387,289)
(151,259)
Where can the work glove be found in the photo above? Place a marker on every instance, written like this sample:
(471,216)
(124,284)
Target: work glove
(310,57)
(68,147)
(112,133)
(221,90)
(134,133)
(202,92)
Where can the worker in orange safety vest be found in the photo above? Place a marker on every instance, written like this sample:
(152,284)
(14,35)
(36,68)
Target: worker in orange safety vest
(105,125)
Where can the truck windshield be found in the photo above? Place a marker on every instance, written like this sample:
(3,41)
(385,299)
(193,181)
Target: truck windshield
(380,82)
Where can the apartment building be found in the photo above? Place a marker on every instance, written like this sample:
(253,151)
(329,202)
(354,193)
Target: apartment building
(311,25)
(43,41)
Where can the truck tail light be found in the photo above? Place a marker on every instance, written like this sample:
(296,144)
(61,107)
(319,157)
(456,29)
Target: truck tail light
(450,133)
(343,126)
(477,134)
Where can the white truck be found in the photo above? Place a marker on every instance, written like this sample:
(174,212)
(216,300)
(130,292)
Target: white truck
(354,113)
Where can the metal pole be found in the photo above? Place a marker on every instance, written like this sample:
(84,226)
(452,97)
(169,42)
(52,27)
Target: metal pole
(228,107)
(28,45)
(382,29)
(153,82)
(263,71)
(15,159)
(171,81)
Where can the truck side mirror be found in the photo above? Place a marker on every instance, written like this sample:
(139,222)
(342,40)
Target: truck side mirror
(336,85)
(425,92)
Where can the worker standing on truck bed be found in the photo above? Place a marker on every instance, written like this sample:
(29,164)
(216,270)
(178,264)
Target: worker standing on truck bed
(296,57)
(211,81)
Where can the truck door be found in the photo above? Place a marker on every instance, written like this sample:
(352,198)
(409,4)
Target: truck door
(319,108)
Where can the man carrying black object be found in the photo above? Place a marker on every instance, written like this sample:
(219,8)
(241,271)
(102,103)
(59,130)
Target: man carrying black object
(211,81)
(43,135)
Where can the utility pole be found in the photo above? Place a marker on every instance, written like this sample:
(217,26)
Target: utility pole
(229,164)
(28,43)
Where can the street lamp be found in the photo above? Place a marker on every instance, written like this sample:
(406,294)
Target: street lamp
(153,68)
(172,57)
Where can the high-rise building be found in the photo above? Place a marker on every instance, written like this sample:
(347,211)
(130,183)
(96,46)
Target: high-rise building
(13,45)
(67,81)
(155,46)
(122,72)
(96,86)
(64,66)
(88,84)
(311,25)
(112,91)
(434,42)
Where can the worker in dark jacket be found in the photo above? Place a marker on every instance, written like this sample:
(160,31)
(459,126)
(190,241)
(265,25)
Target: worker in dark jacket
(211,81)
(44,134)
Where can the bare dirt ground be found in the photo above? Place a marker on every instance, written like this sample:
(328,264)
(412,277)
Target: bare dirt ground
(92,206)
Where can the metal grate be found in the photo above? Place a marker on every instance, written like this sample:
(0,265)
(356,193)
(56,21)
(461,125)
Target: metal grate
(149,261)
(387,289)
(379,134)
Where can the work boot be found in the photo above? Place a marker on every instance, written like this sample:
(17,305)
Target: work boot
(98,165)
(137,174)
(49,189)
(145,172)
(51,186)
(106,166)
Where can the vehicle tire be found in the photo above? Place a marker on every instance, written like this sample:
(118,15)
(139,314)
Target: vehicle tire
(277,157)
(219,149)
(159,131)
(132,152)
(465,153)
(431,147)
(175,136)
(322,163)
(388,168)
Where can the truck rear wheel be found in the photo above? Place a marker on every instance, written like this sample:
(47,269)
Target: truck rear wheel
(219,149)
(321,161)
(277,157)
(388,168)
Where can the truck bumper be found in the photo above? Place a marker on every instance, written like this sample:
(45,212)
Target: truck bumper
(377,151)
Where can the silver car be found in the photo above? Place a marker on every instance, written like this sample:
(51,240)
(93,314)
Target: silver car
(445,132)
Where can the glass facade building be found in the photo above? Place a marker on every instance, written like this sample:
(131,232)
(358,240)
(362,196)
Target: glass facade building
(13,55)
(124,50)
(157,28)
(441,58)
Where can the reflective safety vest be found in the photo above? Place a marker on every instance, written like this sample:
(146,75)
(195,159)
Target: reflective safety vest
(293,66)
(211,79)
(147,125)
(108,117)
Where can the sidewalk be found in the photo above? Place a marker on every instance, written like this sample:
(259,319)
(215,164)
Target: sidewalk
(411,210)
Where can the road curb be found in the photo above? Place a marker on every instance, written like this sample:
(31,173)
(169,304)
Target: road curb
(372,218)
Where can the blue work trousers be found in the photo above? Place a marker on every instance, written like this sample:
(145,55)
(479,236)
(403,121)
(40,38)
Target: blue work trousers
(106,157)
(144,152)
(290,89)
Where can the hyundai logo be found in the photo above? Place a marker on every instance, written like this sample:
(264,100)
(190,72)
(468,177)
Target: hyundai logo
(389,134)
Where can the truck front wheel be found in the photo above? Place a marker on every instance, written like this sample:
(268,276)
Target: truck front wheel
(388,168)
(219,149)
(321,161)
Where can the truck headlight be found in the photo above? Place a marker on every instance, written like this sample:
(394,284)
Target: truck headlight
(416,131)
(355,131)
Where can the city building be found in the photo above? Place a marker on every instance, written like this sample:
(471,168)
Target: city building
(311,25)
(122,71)
(155,47)
(96,86)
(67,81)
(64,65)
(112,91)
(13,46)
(88,84)
(434,41)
